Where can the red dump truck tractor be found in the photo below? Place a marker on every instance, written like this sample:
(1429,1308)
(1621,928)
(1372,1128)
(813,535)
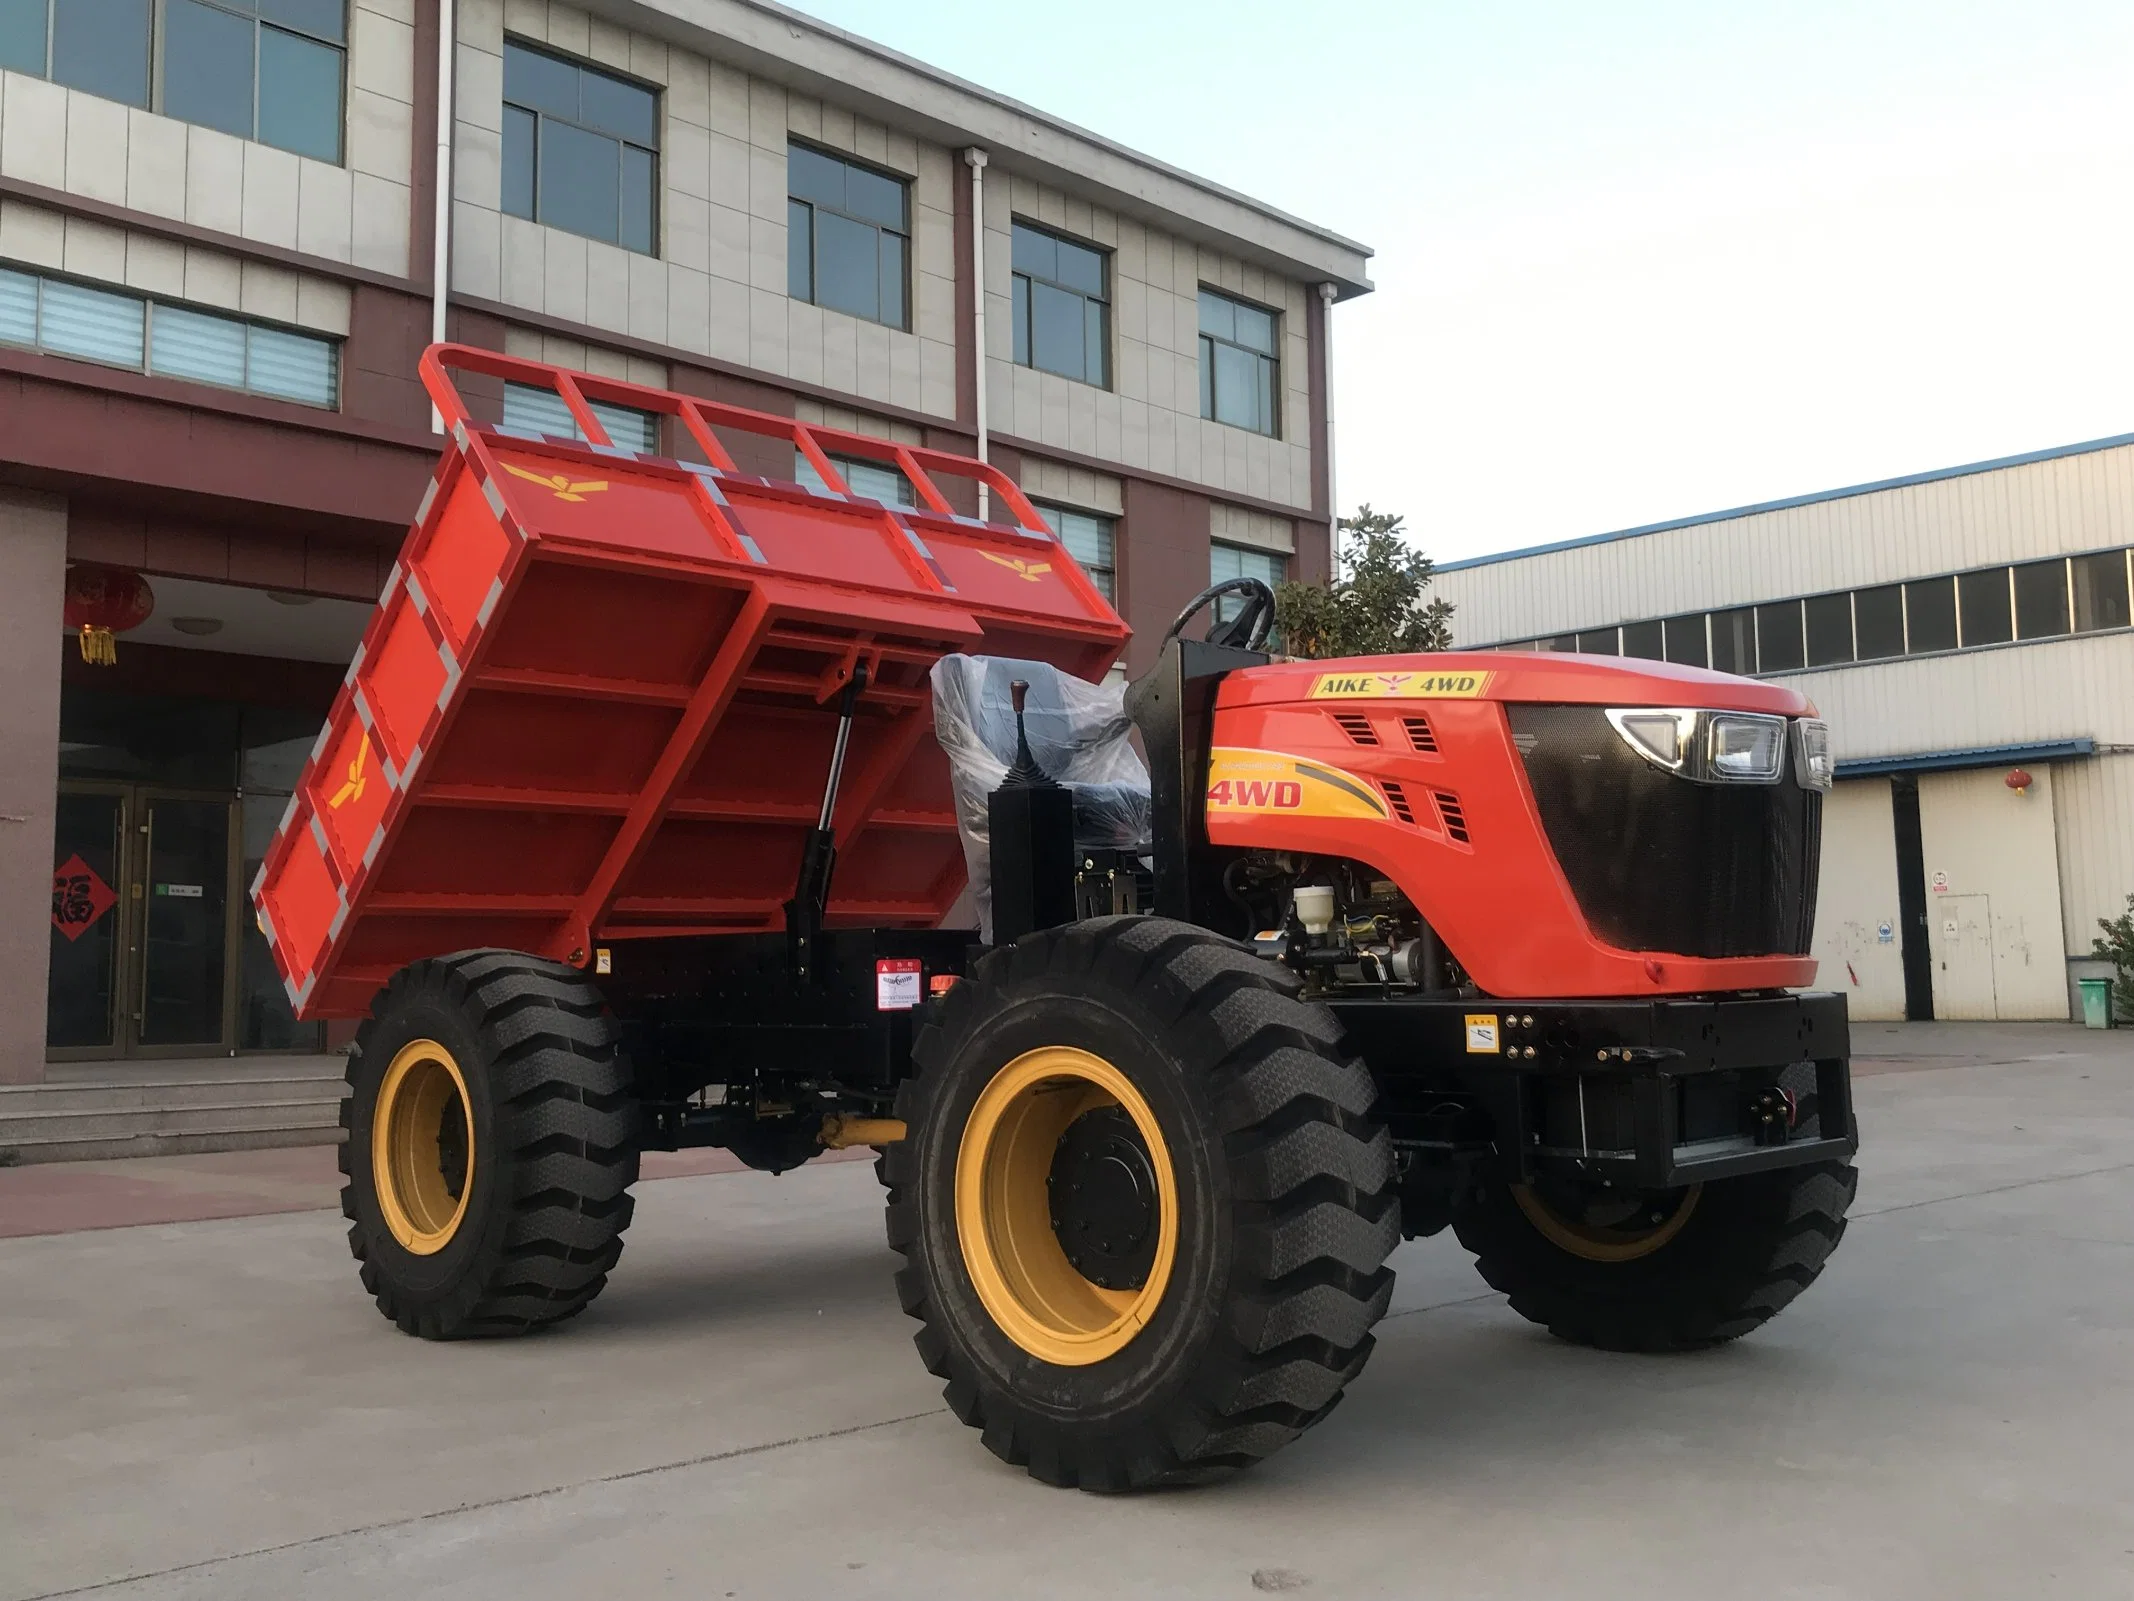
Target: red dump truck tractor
(655,777)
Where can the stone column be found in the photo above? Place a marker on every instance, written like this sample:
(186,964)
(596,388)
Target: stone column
(33,569)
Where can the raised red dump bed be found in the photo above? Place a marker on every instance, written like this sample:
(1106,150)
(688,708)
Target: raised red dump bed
(599,694)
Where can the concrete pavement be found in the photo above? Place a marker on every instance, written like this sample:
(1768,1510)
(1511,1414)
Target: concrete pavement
(212,1409)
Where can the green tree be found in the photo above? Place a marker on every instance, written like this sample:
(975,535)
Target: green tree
(2117,947)
(1375,606)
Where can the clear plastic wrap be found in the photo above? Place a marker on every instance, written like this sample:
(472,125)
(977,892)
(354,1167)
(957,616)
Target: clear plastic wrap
(1078,733)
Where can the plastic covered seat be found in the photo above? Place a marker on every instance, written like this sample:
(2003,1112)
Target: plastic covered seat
(1079,734)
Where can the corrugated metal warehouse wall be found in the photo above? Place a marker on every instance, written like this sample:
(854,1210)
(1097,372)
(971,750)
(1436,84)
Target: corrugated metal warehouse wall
(2013,884)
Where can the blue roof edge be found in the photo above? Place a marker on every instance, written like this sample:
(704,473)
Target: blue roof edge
(1979,756)
(1936,475)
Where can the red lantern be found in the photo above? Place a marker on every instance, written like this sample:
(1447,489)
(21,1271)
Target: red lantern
(103,601)
(2018,780)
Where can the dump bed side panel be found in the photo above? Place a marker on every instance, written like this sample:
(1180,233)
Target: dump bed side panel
(598,697)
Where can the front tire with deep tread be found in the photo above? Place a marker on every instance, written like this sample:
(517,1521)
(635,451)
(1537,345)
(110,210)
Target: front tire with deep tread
(1750,1246)
(554,1137)
(1286,1212)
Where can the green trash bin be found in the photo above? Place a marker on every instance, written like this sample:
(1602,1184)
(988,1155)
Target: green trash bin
(2096,1002)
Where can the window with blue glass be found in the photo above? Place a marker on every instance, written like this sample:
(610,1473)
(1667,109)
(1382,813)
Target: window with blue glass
(90,323)
(1237,561)
(581,148)
(1240,374)
(848,236)
(1062,305)
(1091,540)
(270,70)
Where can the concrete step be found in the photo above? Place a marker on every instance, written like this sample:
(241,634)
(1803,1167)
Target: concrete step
(110,1148)
(194,1107)
(232,1116)
(281,1089)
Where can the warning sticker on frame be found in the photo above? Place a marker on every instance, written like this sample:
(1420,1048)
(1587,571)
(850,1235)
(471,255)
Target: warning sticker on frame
(897,984)
(1399,686)
(1482,1033)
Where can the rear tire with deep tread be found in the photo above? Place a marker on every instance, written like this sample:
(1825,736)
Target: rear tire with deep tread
(554,1123)
(1284,1183)
(1750,1246)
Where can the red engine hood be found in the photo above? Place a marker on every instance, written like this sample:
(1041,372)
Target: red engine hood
(1549,677)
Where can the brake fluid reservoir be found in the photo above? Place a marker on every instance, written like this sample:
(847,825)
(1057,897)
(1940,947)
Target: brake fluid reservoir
(1314,904)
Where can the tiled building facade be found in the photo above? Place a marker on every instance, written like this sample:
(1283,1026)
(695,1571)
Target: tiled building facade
(213,294)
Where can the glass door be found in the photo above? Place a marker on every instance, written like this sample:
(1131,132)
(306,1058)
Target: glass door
(184,941)
(89,920)
(143,941)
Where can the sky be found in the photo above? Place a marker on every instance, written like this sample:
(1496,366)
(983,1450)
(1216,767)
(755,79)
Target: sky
(1638,260)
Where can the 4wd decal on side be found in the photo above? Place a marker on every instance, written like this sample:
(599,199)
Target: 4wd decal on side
(1399,686)
(1263,781)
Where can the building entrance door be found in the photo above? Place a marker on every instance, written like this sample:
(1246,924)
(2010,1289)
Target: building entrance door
(1963,958)
(143,931)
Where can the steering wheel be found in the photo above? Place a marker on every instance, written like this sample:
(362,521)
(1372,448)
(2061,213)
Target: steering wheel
(1248,630)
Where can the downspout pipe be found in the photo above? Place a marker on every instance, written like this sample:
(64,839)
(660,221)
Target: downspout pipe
(975,159)
(441,222)
(1328,293)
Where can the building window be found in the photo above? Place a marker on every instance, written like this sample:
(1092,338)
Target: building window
(1930,615)
(1090,541)
(530,409)
(1239,370)
(64,318)
(1685,640)
(1780,645)
(848,236)
(1237,561)
(269,70)
(581,149)
(2100,583)
(868,480)
(2041,599)
(1982,608)
(1734,640)
(2035,600)
(1062,306)
(1829,629)
(1644,641)
(1878,619)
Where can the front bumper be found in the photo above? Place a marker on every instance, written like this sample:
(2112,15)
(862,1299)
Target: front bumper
(1651,1094)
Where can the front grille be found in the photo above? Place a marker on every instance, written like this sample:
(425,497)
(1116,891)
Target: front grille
(1661,864)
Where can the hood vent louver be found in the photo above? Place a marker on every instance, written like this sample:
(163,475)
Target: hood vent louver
(1449,812)
(1357,727)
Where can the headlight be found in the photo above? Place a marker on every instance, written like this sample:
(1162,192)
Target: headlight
(1812,766)
(1746,748)
(1665,737)
(1708,747)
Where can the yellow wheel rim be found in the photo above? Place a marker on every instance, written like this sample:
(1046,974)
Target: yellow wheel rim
(1036,1296)
(1605,1243)
(422,1147)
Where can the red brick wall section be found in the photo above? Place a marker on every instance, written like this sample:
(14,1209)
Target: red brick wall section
(208,675)
(1163,562)
(752,453)
(962,493)
(422,153)
(387,334)
(228,554)
(65,435)
(484,396)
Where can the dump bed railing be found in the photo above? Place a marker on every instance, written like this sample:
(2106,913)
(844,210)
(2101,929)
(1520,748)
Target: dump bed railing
(598,696)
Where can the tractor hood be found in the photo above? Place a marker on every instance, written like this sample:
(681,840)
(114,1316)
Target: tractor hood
(1528,676)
